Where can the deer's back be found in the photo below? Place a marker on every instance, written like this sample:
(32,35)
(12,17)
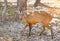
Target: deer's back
(37,17)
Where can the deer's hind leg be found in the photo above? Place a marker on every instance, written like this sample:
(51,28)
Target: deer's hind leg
(51,29)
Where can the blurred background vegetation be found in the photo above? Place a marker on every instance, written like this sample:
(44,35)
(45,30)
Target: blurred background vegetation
(12,6)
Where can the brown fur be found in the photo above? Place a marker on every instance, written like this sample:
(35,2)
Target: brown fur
(36,17)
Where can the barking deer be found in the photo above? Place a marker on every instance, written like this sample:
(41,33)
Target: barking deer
(38,17)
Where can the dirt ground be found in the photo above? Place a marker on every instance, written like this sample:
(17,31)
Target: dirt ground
(11,31)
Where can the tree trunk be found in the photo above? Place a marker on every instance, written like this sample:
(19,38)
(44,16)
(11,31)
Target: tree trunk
(18,4)
(0,3)
(4,11)
(37,3)
(17,12)
(21,6)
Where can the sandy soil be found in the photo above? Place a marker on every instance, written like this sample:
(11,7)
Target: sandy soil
(11,31)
